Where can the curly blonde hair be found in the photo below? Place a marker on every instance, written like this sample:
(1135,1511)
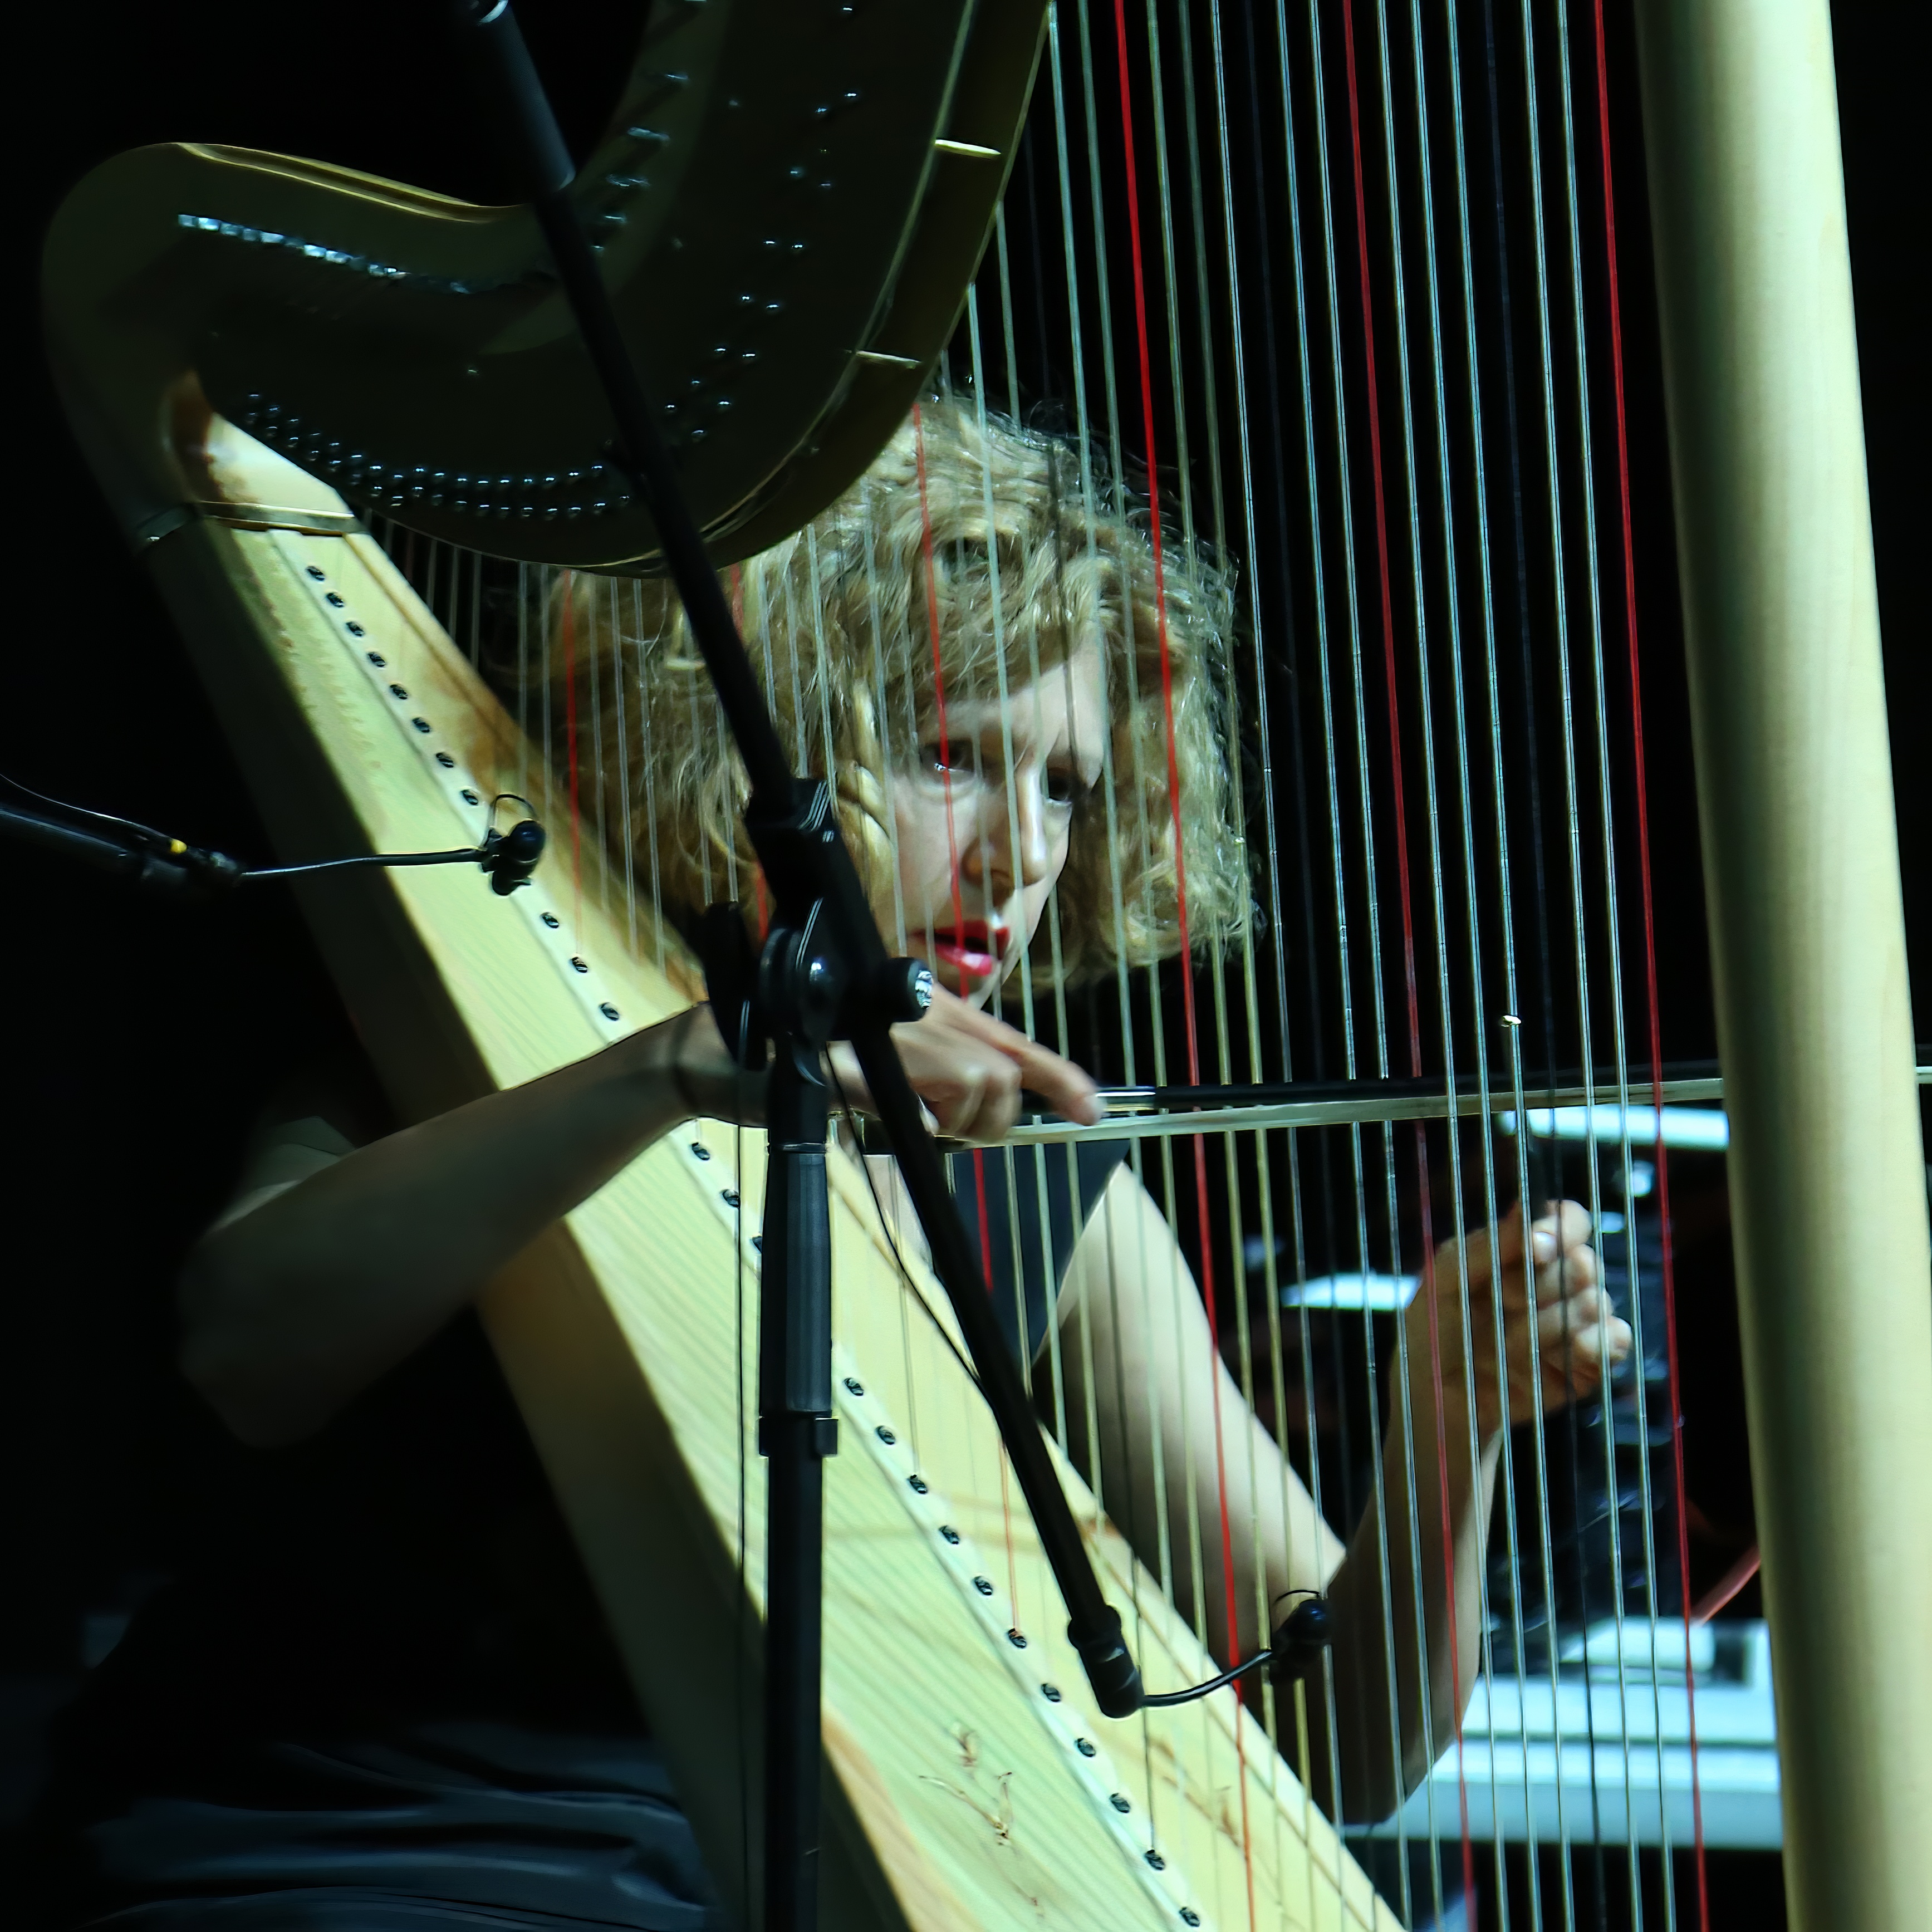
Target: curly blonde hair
(1024,565)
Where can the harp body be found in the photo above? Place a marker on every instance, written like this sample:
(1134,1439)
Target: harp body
(962,1794)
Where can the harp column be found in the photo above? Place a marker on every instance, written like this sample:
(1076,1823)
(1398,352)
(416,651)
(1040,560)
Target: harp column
(1794,786)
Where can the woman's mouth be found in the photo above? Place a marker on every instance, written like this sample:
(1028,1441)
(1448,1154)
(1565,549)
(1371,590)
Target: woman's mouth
(974,949)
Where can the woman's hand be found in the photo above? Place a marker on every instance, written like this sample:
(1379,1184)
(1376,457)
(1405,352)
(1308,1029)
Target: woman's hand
(967,1067)
(1563,1327)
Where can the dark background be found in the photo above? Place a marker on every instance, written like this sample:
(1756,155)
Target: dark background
(140,1039)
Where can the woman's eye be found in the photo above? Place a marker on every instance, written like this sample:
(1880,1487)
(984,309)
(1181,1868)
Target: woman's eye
(951,755)
(1065,788)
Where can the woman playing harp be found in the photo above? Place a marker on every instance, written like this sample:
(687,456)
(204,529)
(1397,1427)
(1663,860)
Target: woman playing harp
(376,1711)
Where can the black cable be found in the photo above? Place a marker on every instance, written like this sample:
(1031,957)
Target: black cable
(473,853)
(1296,1645)
(159,862)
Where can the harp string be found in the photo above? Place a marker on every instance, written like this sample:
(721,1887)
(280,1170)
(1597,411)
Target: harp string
(647,760)
(524,686)
(627,838)
(1319,578)
(980,1205)
(1014,846)
(1190,1018)
(1359,719)
(596,683)
(567,642)
(1245,812)
(1613,946)
(1655,1043)
(1564,646)
(1225,1056)
(1512,445)
(1163,1524)
(1438,391)
(1272,838)
(1238,1245)
(1191,1555)
(1462,808)
(1492,1218)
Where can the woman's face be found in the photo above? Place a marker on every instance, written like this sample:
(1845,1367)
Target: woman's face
(983,815)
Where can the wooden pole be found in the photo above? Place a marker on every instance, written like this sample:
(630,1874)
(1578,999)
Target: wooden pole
(1794,788)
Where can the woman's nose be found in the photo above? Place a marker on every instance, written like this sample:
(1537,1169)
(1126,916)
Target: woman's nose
(1013,843)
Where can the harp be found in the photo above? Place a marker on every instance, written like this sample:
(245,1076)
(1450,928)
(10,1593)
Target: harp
(964,1794)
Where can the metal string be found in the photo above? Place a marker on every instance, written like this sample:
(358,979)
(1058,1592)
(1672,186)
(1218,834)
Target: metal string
(1524,1150)
(1058,529)
(1480,500)
(1207,1281)
(1084,446)
(1433,824)
(1237,345)
(646,757)
(1656,1062)
(1306,387)
(1573,828)
(1237,1239)
(1378,498)
(1270,1246)
(624,833)
(1613,956)
(524,679)
(1345,950)
(1117,470)
(595,681)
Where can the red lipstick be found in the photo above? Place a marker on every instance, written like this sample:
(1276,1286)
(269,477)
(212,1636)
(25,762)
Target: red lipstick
(974,949)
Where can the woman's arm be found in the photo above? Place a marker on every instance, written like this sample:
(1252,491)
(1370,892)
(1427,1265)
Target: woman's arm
(312,1286)
(1134,1329)
(1557,1324)
(315,1284)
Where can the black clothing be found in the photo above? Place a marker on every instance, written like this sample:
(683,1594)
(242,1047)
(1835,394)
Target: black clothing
(428,1826)
(387,1697)
(1009,1181)
(394,1683)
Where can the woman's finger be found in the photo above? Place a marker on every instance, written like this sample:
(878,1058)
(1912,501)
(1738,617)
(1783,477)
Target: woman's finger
(849,1086)
(969,1070)
(1569,1273)
(1583,1331)
(1066,1087)
(1560,1226)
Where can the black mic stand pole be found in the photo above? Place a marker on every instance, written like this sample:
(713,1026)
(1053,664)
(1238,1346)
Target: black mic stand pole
(823,974)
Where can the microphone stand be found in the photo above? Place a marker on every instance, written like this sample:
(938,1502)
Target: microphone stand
(823,974)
